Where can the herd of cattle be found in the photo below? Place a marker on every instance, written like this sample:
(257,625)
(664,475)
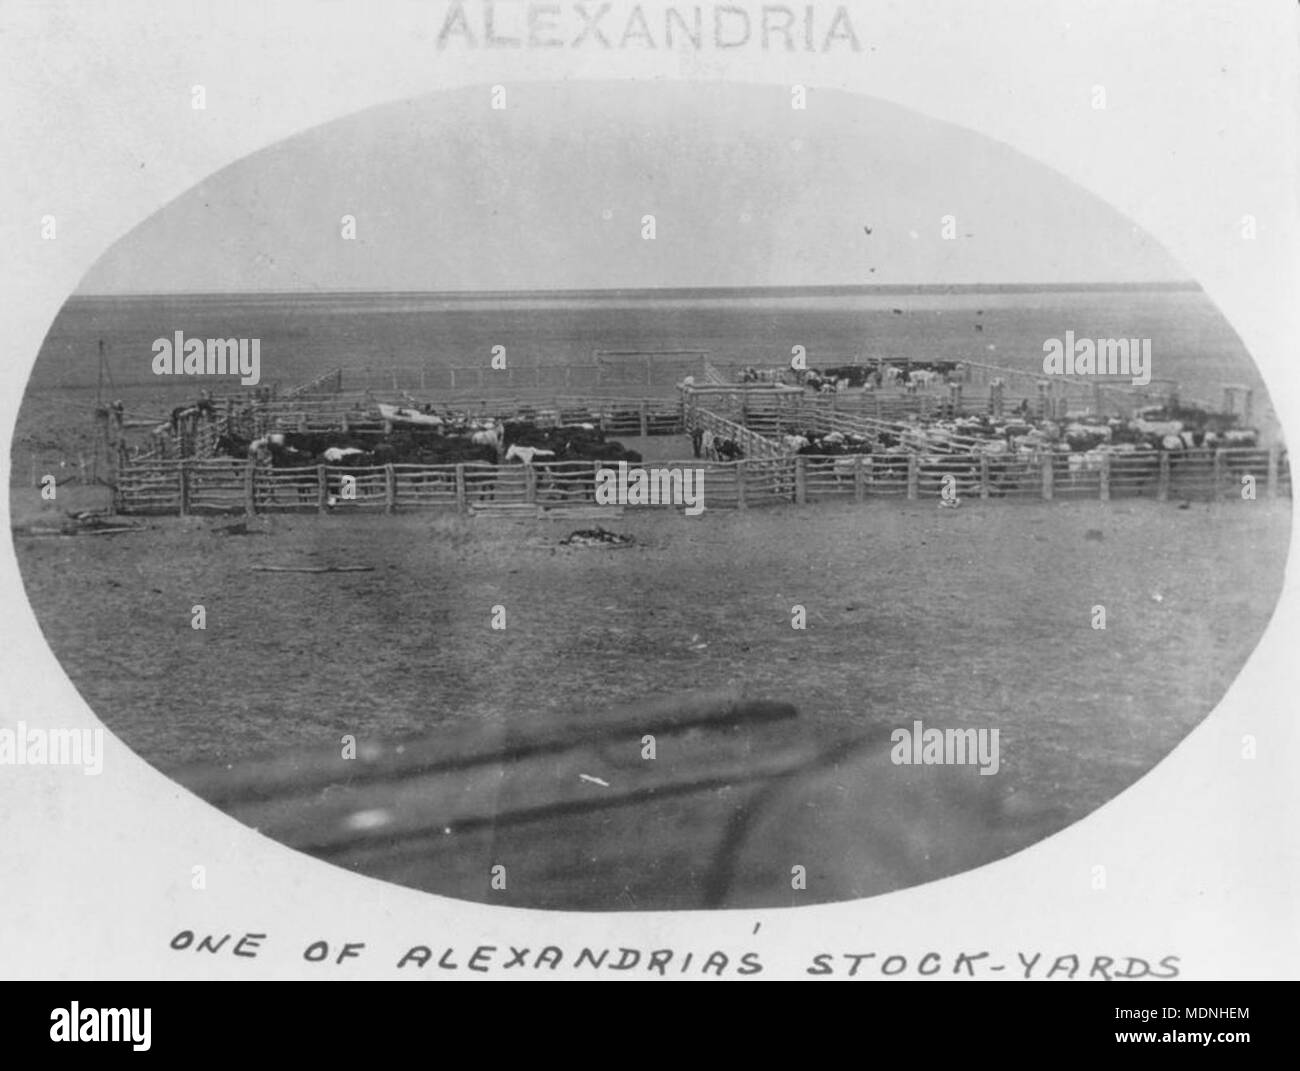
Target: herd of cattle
(488,442)
(478,445)
(914,376)
(1014,446)
(954,446)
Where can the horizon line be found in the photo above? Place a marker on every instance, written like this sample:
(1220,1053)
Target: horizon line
(812,290)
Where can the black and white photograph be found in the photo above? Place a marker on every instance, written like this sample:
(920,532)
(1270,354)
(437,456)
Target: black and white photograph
(662,474)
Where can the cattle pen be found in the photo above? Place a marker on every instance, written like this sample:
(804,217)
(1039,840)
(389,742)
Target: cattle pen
(180,473)
(224,485)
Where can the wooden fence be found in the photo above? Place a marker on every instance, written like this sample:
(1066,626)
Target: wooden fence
(359,413)
(224,485)
(653,373)
(753,444)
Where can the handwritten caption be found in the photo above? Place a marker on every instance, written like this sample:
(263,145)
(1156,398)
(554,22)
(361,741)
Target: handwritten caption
(426,959)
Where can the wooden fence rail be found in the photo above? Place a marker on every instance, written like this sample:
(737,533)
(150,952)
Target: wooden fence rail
(224,485)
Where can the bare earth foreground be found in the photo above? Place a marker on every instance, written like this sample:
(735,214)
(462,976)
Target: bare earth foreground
(980,616)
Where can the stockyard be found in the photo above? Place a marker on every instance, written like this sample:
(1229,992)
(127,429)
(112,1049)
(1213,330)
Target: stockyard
(882,543)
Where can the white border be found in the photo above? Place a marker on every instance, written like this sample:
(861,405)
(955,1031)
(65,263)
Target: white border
(1203,854)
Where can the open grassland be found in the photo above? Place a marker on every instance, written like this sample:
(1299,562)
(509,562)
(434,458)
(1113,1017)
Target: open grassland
(979,616)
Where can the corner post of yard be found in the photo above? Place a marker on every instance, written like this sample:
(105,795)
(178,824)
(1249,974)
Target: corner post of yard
(800,480)
(913,476)
(322,489)
(184,476)
(390,489)
(1218,474)
(1105,477)
(984,475)
(250,488)
(644,418)
(859,477)
(530,484)
(1162,487)
(460,487)
(1273,468)
(740,484)
(1048,459)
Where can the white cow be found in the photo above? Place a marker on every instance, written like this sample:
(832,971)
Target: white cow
(528,454)
(336,454)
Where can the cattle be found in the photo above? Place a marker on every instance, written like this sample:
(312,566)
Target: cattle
(1084,463)
(528,454)
(336,455)
(493,437)
(204,407)
(845,468)
(230,445)
(727,449)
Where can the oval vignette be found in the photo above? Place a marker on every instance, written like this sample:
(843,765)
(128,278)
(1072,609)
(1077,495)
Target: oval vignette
(848,674)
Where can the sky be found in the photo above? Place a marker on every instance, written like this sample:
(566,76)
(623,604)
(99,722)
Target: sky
(550,193)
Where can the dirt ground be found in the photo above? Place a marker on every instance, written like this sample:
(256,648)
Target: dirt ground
(980,616)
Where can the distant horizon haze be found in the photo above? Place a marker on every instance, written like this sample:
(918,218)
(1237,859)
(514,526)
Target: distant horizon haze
(678,293)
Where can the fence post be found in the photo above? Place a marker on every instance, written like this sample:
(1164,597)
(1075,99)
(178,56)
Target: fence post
(530,484)
(390,489)
(800,480)
(858,478)
(644,420)
(460,487)
(250,488)
(322,489)
(1105,477)
(1218,474)
(740,484)
(1048,460)
(184,470)
(1162,487)
(913,476)
(984,475)
(1273,467)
